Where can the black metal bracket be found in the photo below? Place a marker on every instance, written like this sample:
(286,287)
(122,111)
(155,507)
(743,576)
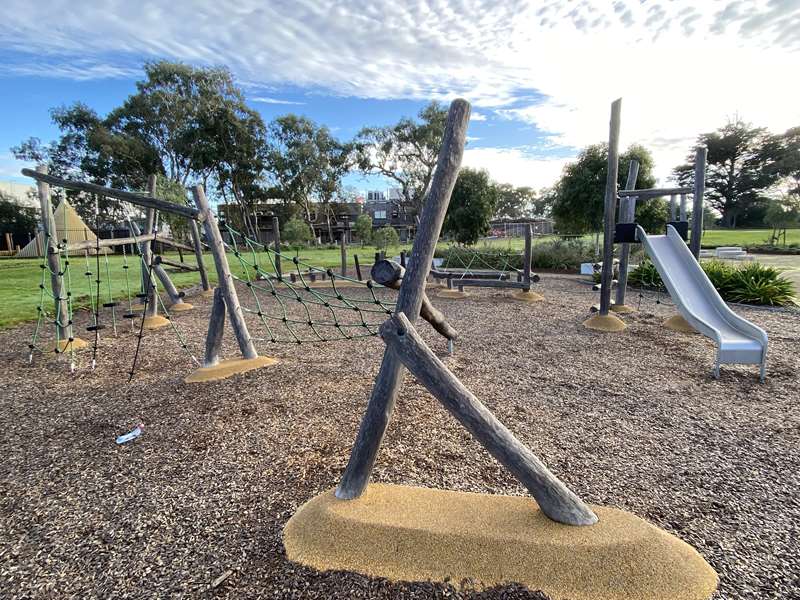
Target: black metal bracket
(625,233)
(682,227)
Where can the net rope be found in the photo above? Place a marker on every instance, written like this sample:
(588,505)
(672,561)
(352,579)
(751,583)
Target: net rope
(288,306)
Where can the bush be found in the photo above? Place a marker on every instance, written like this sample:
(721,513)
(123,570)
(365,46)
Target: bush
(385,237)
(363,228)
(296,232)
(563,255)
(748,284)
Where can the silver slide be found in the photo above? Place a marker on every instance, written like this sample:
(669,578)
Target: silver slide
(738,340)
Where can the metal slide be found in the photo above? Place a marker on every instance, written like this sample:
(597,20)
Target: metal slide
(738,340)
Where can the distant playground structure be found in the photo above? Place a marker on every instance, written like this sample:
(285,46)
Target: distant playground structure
(701,307)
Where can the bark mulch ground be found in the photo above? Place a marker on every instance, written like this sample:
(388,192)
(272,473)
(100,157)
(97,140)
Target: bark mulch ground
(195,506)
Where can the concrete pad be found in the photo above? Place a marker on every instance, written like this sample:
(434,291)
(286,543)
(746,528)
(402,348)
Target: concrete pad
(180,307)
(156,322)
(622,308)
(529,297)
(418,534)
(679,324)
(67,346)
(229,368)
(607,323)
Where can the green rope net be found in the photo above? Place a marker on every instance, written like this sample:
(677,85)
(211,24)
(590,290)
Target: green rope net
(292,309)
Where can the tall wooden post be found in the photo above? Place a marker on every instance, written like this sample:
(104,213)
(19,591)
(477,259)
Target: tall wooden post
(610,207)
(51,252)
(276,239)
(147,254)
(526,268)
(381,403)
(343,248)
(673,208)
(697,204)
(198,255)
(683,207)
(627,214)
(217,247)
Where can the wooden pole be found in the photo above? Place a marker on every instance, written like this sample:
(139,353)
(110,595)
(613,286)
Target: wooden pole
(610,208)
(673,208)
(683,207)
(216,325)
(9,242)
(50,234)
(169,287)
(526,268)
(217,246)
(358,267)
(198,254)
(276,238)
(552,496)
(627,214)
(384,393)
(343,248)
(147,253)
(697,204)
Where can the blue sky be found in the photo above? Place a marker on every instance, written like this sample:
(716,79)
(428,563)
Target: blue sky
(537,72)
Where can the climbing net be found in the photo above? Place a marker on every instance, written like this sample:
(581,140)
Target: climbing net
(291,308)
(97,298)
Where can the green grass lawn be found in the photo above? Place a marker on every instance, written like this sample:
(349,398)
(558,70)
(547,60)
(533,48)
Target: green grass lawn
(744,237)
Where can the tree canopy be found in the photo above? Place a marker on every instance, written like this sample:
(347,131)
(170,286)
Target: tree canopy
(579,196)
(472,205)
(19,221)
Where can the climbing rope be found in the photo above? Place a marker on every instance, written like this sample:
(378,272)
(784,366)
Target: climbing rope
(318,315)
(455,255)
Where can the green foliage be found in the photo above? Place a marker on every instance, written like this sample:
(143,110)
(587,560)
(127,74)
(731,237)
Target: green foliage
(17,220)
(471,206)
(519,202)
(579,196)
(782,213)
(174,192)
(296,232)
(653,215)
(753,283)
(743,162)
(562,254)
(385,237)
(363,228)
(406,152)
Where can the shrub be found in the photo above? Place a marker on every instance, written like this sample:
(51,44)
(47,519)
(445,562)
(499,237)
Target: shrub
(363,229)
(562,254)
(753,283)
(296,232)
(385,237)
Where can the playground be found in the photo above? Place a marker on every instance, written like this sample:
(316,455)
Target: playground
(199,442)
(634,421)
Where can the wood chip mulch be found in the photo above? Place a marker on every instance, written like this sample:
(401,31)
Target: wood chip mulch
(195,506)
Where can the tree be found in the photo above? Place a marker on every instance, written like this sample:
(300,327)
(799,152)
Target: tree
(305,161)
(296,232)
(742,165)
(579,196)
(363,228)
(788,165)
(782,213)
(518,202)
(472,205)
(186,123)
(406,152)
(19,221)
(173,191)
(385,237)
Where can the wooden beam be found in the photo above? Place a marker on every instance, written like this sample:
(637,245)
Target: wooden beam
(224,276)
(108,242)
(160,260)
(700,156)
(216,325)
(132,197)
(384,393)
(170,242)
(492,283)
(390,274)
(526,258)
(655,192)
(554,498)
(627,214)
(610,207)
(276,238)
(197,247)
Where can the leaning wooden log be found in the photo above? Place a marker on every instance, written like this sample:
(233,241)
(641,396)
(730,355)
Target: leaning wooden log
(132,197)
(390,274)
(197,247)
(108,243)
(409,301)
(495,283)
(648,193)
(160,260)
(216,325)
(554,498)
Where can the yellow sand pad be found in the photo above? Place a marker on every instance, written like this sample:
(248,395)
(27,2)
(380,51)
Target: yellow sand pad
(180,307)
(529,297)
(155,322)
(451,293)
(608,323)
(207,293)
(622,308)
(228,368)
(67,346)
(678,323)
(416,534)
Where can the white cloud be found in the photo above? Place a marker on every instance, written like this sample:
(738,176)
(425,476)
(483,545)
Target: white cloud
(267,100)
(515,166)
(476,116)
(681,67)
